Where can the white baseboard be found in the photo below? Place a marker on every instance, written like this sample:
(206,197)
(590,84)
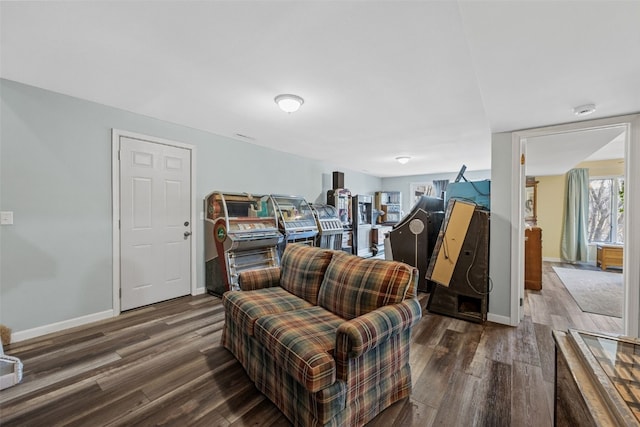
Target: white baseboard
(549,259)
(72,323)
(496,318)
(59,326)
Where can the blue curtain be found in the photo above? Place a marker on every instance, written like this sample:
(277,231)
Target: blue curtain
(576,215)
(440,186)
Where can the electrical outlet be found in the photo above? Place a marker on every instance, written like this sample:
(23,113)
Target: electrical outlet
(6,218)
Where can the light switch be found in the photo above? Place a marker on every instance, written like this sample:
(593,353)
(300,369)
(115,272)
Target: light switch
(6,218)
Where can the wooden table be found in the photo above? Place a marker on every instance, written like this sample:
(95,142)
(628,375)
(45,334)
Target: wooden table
(609,256)
(597,380)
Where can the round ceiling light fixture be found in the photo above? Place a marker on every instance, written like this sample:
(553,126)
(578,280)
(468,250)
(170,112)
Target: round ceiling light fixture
(584,110)
(403,160)
(289,103)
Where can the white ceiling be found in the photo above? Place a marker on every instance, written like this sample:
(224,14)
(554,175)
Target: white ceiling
(569,149)
(426,79)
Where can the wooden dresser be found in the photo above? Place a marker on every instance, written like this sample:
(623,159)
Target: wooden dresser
(533,258)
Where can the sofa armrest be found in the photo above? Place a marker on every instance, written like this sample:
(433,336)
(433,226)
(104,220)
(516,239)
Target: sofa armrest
(250,280)
(357,336)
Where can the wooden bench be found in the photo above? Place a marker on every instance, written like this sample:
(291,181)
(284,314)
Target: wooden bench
(609,256)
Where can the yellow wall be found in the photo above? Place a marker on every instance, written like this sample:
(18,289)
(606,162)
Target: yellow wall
(551,202)
(613,167)
(551,195)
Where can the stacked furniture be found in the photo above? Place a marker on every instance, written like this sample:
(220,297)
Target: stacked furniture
(460,263)
(325,336)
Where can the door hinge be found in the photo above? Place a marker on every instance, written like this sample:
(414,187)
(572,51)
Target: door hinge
(521,302)
(119,225)
(118,154)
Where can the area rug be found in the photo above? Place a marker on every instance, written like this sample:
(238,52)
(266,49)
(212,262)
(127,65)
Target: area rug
(598,292)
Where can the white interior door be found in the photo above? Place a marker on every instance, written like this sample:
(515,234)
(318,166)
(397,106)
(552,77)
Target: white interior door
(155,222)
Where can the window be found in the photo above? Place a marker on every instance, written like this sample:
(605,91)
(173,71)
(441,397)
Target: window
(606,213)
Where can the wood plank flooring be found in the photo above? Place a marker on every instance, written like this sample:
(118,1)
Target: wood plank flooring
(163,365)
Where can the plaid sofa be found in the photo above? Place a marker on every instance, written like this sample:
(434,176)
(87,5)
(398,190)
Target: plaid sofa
(326,335)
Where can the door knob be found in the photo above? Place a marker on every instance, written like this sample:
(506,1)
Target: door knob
(187,233)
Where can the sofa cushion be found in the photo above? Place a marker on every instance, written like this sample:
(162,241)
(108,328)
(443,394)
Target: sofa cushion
(303,342)
(245,307)
(302,269)
(354,286)
(260,278)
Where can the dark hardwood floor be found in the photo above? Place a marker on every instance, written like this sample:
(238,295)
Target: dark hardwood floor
(163,365)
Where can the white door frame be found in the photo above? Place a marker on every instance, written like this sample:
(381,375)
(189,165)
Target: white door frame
(631,253)
(115,190)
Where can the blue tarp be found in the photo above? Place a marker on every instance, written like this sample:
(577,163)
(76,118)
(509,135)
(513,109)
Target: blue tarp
(478,192)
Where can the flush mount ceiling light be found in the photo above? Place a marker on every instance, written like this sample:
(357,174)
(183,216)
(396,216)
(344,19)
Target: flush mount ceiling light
(403,159)
(584,110)
(289,103)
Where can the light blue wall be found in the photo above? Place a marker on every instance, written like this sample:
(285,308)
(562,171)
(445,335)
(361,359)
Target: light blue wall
(55,175)
(403,183)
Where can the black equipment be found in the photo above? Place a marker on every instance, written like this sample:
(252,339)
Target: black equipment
(413,239)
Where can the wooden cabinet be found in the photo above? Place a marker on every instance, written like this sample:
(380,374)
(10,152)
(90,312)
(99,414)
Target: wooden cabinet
(533,258)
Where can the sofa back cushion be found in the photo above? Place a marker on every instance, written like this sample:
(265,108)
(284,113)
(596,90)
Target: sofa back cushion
(302,270)
(354,286)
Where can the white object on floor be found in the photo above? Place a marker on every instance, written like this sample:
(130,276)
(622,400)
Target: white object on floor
(10,369)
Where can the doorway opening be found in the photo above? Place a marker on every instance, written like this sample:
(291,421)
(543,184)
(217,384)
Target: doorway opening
(569,267)
(631,276)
